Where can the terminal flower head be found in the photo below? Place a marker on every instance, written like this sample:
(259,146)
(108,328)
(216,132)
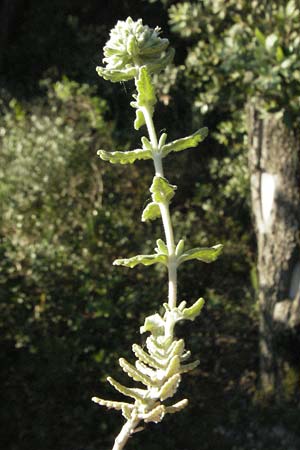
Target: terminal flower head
(131,46)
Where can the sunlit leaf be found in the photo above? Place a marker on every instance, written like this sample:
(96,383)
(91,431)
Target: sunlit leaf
(124,157)
(162,190)
(204,254)
(161,247)
(146,260)
(155,324)
(170,387)
(184,143)
(193,311)
(146,92)
(177,406)
(151,212)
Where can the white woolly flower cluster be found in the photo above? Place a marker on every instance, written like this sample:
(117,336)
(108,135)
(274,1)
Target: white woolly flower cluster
(131,46)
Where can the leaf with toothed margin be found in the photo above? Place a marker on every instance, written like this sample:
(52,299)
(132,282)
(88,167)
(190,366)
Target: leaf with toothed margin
(184,143)
(134,373)
(162,191)
(153,348)
(127,412)
(151,212)
(145,358)
(124,157)
(111,404)
(155,324)
(115,75)
(177,348)
(204,254)
(137,394)
(155,415)
(173,366)
(145,97)
(169,387)
(177,406)
(146,93)
(146,370)
(146,260)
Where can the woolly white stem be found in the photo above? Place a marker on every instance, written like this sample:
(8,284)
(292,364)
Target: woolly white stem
(127,429)
(165,212)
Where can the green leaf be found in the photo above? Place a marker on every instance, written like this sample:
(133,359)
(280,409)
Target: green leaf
(151,212)
(154,348)
(161,248)
(143,368)
(173,366)
(179,247)
(155,415)
(193,311)
(137,394)
(127,412)
(177,406)
(184,143)
(134,373)
(146,93)
(111,404)
(155,324)
(139,119)
(205,254)
(260,37)
(169,387)
(132,46)
(146,260)
(116,75)
(162,140)
(189,367)
(145,358)
(124,157)
(162,190)
(145,97)
(146,144)
(177,348)
(279,54)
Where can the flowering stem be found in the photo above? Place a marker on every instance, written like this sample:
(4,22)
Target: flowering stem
(165,212)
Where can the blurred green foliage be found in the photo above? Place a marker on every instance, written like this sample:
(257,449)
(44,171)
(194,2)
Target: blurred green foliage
(65,313)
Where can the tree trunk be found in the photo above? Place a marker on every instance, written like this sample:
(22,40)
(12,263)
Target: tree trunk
(274,152)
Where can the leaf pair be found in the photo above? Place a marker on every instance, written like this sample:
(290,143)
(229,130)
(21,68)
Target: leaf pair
(145,99)
(203,254)
(129,157)
(160,257)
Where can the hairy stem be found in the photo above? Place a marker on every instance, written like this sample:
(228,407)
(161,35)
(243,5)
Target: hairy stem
(125,433)
(165,213)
